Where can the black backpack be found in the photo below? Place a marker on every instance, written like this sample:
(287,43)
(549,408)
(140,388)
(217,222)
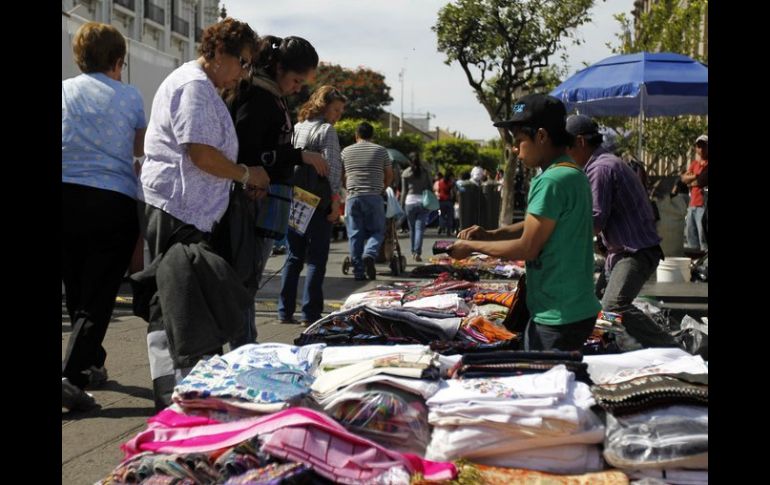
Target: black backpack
(306,178)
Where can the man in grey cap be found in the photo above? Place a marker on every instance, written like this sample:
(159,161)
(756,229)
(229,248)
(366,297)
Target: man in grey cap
(623,218)
(556,236)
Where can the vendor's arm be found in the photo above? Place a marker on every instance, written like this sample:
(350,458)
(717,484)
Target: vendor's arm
(478,233)
(537,230)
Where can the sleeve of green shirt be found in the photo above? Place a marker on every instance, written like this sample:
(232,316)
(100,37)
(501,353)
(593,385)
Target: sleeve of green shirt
(544,198)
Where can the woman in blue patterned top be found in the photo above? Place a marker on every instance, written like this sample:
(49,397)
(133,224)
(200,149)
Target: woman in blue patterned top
(103,128)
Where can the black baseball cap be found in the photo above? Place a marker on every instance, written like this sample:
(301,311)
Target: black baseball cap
(537,111)
(581,125)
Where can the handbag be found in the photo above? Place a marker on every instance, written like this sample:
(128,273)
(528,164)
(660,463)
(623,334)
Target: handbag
(306,178)
(273,215)
(429,200)
(518,316)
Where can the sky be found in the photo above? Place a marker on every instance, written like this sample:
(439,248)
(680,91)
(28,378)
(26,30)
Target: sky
(390,35)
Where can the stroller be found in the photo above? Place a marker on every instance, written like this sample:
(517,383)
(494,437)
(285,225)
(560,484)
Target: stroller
(390,251)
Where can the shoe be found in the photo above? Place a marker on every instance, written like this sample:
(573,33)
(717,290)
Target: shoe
(359,277)
(305,323)
(417,258)
(97,377)
(371,272)
(289,320)
(74,398)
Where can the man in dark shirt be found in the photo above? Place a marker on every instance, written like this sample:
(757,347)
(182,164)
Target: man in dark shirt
(623,218)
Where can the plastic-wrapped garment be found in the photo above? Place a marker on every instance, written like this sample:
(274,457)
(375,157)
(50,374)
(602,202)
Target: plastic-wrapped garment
(489,331)
(375,299)
(393,418)
(553,459)
(454,348)
(670,437)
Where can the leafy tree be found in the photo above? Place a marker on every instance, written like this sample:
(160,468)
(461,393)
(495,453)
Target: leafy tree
(365,89)
(504,47)
(444,154)
(491,158)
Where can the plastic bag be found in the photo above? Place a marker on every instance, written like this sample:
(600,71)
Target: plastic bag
(670,437)
(700,269)
(693,337)
(394,208)
(388,416)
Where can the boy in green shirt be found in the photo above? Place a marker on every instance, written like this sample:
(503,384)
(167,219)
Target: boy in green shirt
(556,236)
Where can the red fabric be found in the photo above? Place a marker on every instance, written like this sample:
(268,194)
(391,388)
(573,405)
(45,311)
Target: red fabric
(444,190)
(696,193)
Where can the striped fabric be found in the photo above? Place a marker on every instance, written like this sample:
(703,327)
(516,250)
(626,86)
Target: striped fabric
(364,163)
(506,298)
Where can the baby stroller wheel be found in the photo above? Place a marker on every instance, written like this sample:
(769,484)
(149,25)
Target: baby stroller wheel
(395,266)
(402,262)
(346,265)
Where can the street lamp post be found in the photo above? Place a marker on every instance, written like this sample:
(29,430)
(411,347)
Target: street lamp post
(401,119)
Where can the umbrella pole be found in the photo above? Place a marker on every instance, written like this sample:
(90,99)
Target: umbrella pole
(641,123)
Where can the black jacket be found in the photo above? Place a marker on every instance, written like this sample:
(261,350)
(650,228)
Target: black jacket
(264,129)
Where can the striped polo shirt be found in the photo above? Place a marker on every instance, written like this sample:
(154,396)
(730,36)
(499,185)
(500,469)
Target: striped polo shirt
(364,163)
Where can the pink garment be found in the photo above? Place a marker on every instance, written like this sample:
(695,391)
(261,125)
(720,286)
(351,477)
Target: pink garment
(298,434)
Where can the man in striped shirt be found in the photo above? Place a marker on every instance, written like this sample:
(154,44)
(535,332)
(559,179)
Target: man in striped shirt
(623,216)
(366,171)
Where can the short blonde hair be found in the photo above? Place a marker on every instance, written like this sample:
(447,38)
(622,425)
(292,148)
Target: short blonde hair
(97,47)
(319,101)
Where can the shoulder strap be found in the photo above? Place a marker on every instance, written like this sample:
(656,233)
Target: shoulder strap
(569,164)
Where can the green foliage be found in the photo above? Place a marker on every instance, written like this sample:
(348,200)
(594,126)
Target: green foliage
(346,131)
(365,89)
(405,143)
(491,158)
(445,154)
(505,46)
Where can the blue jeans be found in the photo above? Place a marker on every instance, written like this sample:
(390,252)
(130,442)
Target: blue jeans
(447,217)
(365,218)
(313,247)
(417,216)
(694,235)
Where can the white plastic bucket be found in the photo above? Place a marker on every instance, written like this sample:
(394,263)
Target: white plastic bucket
(674,270)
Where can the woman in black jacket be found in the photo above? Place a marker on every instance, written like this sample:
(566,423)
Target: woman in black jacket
(264,127)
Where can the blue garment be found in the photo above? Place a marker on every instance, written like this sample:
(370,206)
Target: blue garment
(417,216)
(313,247)
(365,218)
(99,119)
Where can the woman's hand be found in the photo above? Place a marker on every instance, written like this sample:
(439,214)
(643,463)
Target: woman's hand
(317,161)
(258,183)
(334,215)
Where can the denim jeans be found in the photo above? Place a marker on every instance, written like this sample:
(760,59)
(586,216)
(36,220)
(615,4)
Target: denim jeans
(623,285)
(312,248)
(694,235)
(365,219)
(447,218)
(417,216)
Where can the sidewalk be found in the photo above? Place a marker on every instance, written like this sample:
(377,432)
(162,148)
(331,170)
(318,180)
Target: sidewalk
(91,440)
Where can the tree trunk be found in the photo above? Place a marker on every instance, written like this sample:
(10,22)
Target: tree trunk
(507,208)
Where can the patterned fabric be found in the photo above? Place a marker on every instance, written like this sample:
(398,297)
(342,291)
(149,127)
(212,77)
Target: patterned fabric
(649,392)
(506,299)
(273,474)
(490,475)
(489,331)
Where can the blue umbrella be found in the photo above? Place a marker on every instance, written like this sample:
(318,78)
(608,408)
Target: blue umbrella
(640,84)
(646,84)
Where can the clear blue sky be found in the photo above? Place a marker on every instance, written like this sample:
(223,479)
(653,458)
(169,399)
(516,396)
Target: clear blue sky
(388,35)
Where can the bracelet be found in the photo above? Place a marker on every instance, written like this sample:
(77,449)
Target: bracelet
(245,178)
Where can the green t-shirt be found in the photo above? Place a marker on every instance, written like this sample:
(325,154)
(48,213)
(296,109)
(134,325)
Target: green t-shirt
(560,282)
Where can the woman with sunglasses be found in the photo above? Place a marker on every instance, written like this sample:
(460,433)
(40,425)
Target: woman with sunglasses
(264,127)
(315,132)
(191,149)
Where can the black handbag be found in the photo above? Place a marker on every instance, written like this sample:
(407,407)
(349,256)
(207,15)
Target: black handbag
(518,316)
(306,178)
